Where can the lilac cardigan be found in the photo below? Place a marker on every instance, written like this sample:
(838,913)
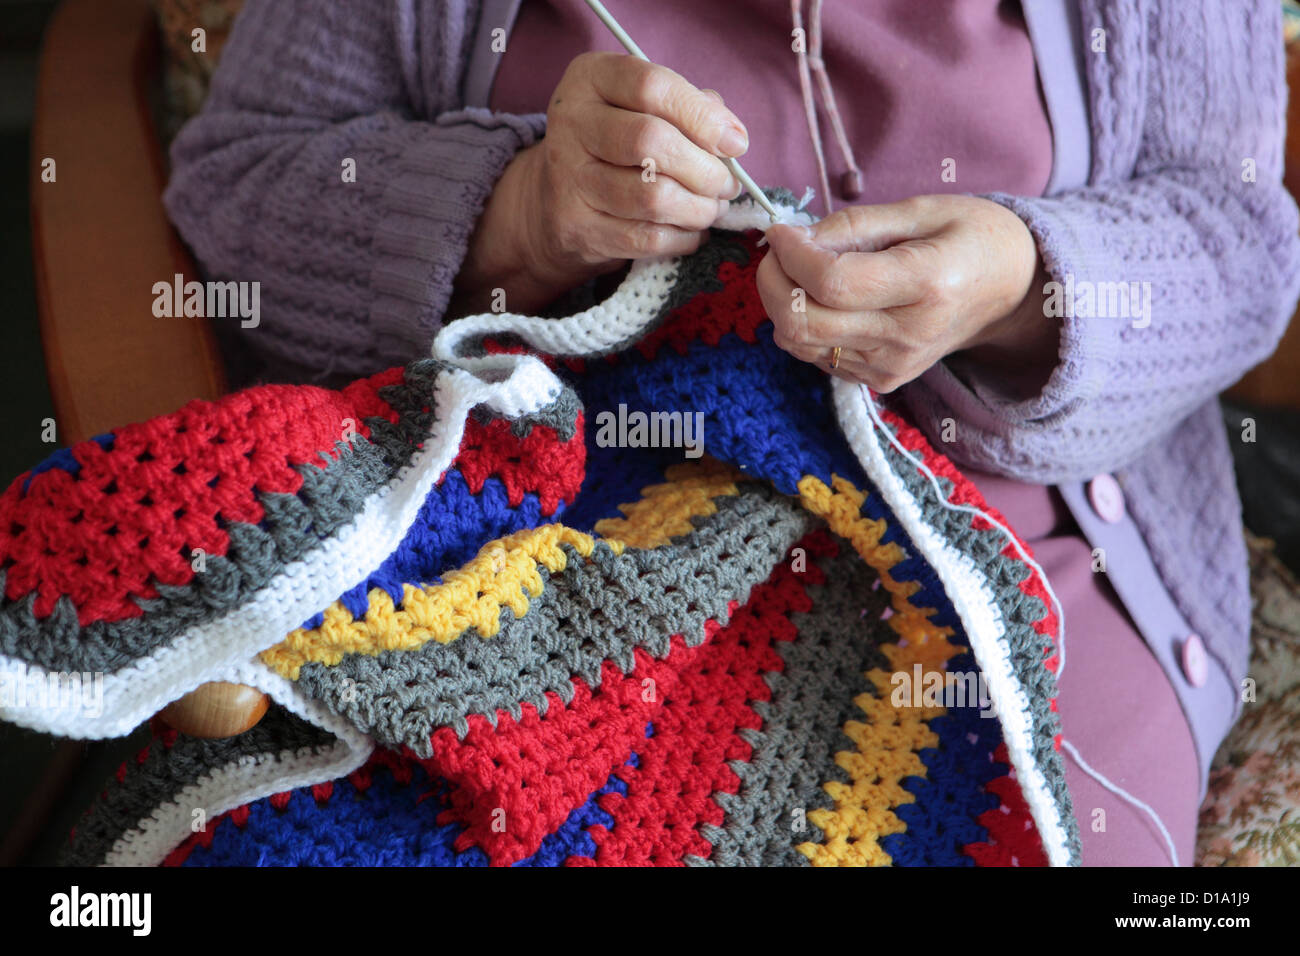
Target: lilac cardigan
(356,276)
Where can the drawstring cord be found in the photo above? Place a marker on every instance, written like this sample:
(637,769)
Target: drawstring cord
(812,65)
(809,107)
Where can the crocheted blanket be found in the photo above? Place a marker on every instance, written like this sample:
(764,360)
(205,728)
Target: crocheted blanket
(512,613)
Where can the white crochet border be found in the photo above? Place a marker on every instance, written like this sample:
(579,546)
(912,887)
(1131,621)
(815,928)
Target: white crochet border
(226,648)
(247,779)
(973,599)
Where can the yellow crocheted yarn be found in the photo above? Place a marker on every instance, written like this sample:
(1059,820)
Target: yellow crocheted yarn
(665,510)
(888,742)
(503,575)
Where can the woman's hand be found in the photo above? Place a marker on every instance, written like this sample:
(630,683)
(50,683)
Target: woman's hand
(583,200)
(900,286)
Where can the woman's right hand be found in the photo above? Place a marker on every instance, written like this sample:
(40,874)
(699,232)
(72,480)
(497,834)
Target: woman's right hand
(582,201)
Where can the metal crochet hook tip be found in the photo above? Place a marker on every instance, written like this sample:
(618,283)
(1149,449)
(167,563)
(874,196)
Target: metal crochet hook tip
(629,44)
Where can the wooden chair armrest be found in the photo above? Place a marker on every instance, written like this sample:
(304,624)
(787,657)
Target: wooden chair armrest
(100,236)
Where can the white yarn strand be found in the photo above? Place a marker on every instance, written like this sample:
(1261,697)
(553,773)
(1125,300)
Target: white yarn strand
(1123,795)
(1071,749)
(968,509)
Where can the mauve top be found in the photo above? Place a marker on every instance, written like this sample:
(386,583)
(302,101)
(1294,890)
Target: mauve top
(916,84)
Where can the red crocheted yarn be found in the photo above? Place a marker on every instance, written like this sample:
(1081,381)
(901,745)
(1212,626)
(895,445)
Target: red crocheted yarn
(708,316)
(680,768)
(1013,838)
(539,463)
(133,513)
(514,785)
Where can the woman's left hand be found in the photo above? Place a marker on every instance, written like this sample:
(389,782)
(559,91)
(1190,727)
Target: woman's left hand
(900,286)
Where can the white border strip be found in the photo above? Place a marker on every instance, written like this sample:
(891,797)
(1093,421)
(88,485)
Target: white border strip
(247,779)
(632,307)
(966,586)
(619,319)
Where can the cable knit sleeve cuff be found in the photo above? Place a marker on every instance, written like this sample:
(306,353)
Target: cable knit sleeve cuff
(428,212)
(1087,347)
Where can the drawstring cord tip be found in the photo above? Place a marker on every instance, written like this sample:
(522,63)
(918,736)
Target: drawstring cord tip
(851,184)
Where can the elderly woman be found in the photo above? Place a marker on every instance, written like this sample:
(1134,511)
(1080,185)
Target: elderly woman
(1052,233)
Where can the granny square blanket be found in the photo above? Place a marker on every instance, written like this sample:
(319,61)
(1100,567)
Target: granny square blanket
(629,586)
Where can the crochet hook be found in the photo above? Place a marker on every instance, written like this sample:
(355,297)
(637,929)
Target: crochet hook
(629,44)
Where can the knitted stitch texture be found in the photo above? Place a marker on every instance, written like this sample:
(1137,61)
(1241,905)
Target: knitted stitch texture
(494,638)
(358,275)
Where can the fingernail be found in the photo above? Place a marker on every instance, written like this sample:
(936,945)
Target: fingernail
(733,141)
(733,189)
(713,93)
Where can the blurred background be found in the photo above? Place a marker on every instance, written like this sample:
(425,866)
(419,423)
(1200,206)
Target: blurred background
(26,758)
(24,393)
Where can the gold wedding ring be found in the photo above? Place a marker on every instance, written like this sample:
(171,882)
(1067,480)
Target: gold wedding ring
(835,356)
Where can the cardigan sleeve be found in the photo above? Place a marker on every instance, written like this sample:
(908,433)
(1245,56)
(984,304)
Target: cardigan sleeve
(331,163)
(1197,215)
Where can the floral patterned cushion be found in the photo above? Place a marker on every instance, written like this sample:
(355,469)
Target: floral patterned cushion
(1251,815)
